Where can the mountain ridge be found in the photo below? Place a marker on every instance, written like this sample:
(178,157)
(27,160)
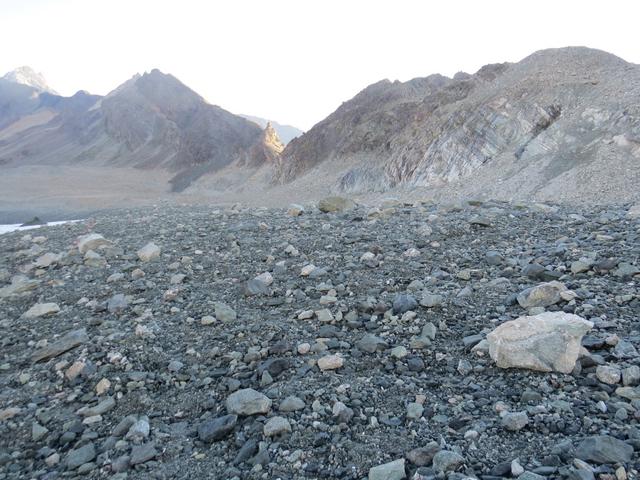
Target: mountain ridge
(150,121)
(541,116)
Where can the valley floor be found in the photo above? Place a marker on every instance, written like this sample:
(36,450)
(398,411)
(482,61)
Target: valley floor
(256,344)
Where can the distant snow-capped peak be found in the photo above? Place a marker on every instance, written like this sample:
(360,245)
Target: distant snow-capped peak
(28,76)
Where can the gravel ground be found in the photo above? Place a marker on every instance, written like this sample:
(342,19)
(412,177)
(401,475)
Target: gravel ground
(257,343)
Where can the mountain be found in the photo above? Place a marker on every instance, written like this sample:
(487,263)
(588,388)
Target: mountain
(150,121)
(561,123)
(286,133)
(27,76)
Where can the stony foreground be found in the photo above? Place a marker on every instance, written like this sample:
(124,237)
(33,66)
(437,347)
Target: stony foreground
(211,343)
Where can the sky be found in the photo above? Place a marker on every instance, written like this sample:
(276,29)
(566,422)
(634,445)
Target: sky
(294,61)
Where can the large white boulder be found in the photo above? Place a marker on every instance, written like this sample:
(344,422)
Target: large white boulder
(546,342)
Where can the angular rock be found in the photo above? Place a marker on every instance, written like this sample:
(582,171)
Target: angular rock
(149,252)
(370,343)
(67,342)
(291,404)
(276,426)
(631,375)
(630,393)
(541,295)
(80,456)
(445,460)
(217,429)
(550,341)
(19,284)
(330,362)
(608,374)
(422,456)
(515,421)
(248,402)
(41,309)
(224,312)
(117,304)
(388,471)
(91,241)
(604,449)
(634,212)
(143,453)
(403,303)
(335,204)
(431,300)
(47,260)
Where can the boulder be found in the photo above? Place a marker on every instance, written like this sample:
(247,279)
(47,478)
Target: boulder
(41,309)
(446,460)
(91,242)
(248,402)
(276,426)
(604,449)
(546,342)
(149,252)
(217,428)
(335,204)
(388,471)
(541,295)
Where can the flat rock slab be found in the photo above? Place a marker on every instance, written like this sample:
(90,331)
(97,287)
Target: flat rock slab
(71,340)
(604,449)
(388,471)
(41,309)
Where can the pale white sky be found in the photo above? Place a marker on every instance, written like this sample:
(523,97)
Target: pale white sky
(294,61)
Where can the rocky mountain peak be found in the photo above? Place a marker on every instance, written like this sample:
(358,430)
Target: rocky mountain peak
(27,76)
(271,139)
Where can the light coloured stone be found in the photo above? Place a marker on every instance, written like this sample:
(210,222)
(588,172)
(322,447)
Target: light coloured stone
(265,278)
(631,375)
(324,315)
(9,413)
(399,352)
(276,426)
(330,362)
(307,269)
(248,402)
(388,471)
(295,210)
(94,259)
(47,260)
(103,386)
(541,295)
(546,342)
(74,370)
(608,374)
(91,242)
(41,309)
(335,204)
(224,312)
(149,252)
(634,212)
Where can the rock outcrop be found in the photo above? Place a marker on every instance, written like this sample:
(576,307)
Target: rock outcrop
(558,124)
